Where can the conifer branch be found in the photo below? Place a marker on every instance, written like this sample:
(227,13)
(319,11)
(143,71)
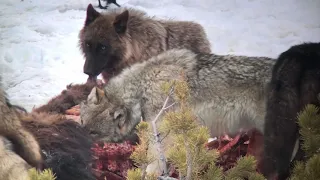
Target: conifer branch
(144,171)
(169,106)
(166,178)
(156,134)
(189,159)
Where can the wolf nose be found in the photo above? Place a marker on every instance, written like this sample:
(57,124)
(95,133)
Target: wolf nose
(89,73)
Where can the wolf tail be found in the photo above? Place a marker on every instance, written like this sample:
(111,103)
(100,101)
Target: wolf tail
(24,143)
(295,82)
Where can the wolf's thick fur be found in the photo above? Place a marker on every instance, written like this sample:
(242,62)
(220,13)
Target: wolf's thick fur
(12,166)
(68,98)
(23,141)
(227,93)
(295,83)
(65,145)
(122,37)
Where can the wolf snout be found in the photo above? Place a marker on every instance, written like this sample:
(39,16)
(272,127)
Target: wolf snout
(90,73)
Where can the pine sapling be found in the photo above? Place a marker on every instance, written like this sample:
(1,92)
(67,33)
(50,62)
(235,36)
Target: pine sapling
(156,134)
(44,175)
(309,122)
(245,168)
(140,155)
(188,153)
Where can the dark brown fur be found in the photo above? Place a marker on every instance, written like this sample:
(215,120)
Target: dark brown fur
(68,98)
(295,83)
(66,146)
(117,39)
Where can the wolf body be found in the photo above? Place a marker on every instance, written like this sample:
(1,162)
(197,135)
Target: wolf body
(121,37)
(295,82)
(227,93)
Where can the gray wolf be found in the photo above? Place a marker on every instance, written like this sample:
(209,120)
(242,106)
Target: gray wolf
(227,93)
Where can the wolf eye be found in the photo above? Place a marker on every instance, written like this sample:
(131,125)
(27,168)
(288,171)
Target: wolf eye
(87,44)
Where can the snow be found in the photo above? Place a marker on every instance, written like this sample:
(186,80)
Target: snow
(39,52)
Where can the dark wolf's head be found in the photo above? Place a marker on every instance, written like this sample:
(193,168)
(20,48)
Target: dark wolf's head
(103,41)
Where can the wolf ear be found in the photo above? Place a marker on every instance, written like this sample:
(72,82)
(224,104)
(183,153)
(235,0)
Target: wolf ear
(95,95)
(120,23)
(92,15)
(119,115)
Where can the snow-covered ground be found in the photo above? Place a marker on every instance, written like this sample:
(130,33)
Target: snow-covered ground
(39,52)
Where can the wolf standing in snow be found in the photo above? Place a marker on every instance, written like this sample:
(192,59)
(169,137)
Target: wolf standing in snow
(122,37)
(12,166)
(227,93)
(295,83)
